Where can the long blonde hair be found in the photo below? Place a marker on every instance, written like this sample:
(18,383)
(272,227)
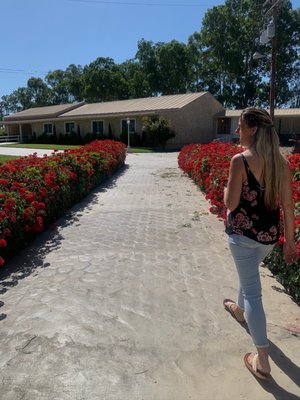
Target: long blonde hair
(266,144)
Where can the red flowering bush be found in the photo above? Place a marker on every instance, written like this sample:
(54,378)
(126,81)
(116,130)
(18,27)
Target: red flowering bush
(208,166)
(34,191)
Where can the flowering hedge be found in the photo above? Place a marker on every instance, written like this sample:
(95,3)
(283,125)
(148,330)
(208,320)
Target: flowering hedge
(34,191)
(208,165)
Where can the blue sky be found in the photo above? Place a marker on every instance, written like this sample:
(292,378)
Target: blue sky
(43,35)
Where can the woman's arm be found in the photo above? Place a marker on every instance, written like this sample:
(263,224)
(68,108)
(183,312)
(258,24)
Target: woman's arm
(232,193)
(287,203)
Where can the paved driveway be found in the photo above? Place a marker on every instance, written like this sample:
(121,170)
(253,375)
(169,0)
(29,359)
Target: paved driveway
(123,301)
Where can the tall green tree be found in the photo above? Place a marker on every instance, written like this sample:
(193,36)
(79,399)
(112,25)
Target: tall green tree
(59,90)
(9,104)
(134,76)
(173,67)
(102,80)
(226,43)
(39,92)
(147,59)
(23,98)
(74,82)
(166,66)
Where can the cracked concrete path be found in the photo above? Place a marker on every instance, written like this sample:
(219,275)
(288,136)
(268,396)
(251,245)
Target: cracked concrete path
(123,301)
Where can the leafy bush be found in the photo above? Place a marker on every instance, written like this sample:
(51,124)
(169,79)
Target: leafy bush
(208,166)
(67,138)
(35,191)
(157,131)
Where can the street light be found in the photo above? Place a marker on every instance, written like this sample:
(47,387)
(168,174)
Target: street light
(128,134)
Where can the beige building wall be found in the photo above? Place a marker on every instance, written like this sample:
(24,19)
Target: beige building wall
(86,125)
(194,123)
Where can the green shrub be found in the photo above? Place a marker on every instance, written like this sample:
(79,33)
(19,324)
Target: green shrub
(157,131)
(287,274)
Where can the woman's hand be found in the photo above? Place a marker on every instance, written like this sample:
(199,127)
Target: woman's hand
(290,251)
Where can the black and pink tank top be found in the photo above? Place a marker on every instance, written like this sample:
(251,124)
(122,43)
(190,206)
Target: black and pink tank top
(251,218)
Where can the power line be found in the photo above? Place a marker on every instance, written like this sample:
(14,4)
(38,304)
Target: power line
(21,71)
(140,4)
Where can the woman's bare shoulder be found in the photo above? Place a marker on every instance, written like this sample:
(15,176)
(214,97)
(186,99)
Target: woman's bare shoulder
(237,159)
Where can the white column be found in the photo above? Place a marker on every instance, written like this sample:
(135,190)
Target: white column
(21,133)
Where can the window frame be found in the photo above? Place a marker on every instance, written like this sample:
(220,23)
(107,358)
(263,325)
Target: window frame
(48,124)
(70,122)
(125,120)
(97,120)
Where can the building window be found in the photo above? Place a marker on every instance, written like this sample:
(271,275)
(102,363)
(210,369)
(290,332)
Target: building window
(223,127)
(69,127)
(48,128)
(98,127)
(131,126)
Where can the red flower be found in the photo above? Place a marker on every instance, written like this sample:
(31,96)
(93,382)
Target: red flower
(3,243)
(29,196)
(34,188)
(208,165)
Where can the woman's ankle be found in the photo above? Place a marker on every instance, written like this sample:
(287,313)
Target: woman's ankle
(263,359)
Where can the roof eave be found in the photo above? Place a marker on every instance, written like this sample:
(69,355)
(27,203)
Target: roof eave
(43,116)
(118,114)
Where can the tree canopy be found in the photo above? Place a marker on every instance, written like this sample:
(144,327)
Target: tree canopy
(218,59)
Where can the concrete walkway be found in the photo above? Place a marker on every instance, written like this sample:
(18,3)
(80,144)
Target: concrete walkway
(123,301)
(18,151)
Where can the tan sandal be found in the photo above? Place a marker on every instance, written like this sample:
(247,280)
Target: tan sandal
(253,367)
(227,303)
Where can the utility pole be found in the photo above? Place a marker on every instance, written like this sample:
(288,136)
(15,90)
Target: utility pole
(273,61)
(266,36)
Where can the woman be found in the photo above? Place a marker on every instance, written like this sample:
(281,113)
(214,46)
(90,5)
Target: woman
(259,179)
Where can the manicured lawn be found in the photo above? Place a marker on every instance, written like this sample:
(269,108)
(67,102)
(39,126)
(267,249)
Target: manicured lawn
(3,159)
(64,147)
(41,146)
(141,150)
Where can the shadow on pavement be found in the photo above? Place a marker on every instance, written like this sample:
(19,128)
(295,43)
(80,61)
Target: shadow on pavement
(32,257)
(277,391)
(288,367)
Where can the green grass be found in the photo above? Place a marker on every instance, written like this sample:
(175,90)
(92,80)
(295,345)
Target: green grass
(63,147)
(41,146)
(141,150)
(3,159)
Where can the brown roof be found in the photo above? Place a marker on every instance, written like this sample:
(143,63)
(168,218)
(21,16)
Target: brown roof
(42,112)
(148,104)
(280,112)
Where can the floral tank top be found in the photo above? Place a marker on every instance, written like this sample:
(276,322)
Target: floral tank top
(251,218)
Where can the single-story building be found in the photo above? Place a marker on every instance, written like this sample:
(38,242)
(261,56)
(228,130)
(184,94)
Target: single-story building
(286,121)
(194,117)
(191,117)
